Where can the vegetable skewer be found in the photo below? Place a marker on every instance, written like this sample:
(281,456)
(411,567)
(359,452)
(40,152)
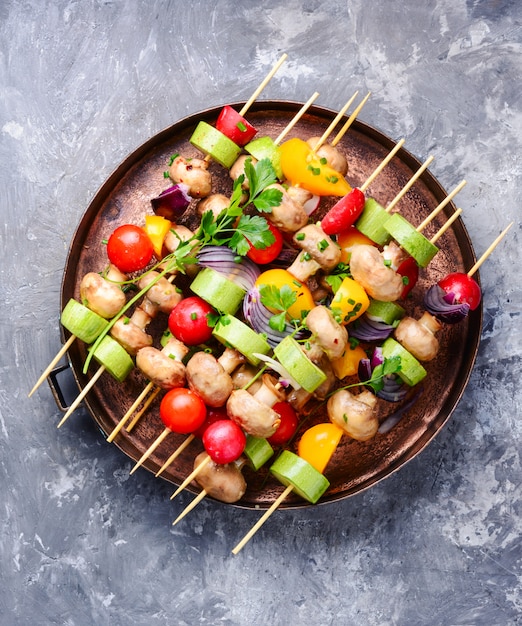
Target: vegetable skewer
(86,321)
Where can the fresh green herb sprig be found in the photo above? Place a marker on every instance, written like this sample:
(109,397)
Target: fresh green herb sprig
(390,366)
(280,299)
(233,227)
(260,176)
(337,275)
(225,229)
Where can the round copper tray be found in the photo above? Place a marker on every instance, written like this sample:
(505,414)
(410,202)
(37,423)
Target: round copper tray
(125,197)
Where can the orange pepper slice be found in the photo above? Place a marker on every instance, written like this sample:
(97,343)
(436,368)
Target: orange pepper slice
(350,301)
(348,363)
(303,168)
(349,238)
(318,444)
(279,277)
(157,228)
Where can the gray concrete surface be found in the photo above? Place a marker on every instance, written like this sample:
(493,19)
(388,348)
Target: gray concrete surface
(84,83)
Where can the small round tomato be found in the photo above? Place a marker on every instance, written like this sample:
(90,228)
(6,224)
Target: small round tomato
(129,248)
(288,425)
(271,252)
(213,415)
(224,441)
(464,288)
(188,321)
(318,444)
(182,410)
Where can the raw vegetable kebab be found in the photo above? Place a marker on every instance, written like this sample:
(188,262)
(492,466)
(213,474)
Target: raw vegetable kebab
(264,332)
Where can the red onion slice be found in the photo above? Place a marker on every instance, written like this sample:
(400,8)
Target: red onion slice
(172,202)
(258,316)
(366,329)
(225,261)
(442,305)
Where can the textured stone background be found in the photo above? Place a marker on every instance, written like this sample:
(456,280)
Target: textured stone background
(84,83)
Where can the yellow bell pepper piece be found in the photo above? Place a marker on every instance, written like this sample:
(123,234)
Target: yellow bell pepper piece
(157,228)
(302,167)
(349,238)
(350,301)
(318,444)
(348,363)
(279,277)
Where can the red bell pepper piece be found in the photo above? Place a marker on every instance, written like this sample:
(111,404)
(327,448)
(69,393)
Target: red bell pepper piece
(235,126)
(409,270)
(344,213)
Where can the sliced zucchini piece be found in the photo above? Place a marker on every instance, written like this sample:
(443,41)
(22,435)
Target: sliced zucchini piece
(290,469)
(81,322)
(414,242)
(411,372)
(222,293)
(114,358)
(257,451)
(236,334)
(265,148)
(214,143)
(372,220)
(298,365)
(387,312)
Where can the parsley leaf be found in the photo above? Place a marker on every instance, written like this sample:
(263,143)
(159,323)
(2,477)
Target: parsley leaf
(259,176)
(389,367)
(279,299)
(251,229)
(278,321)
(268,199)
(338,274)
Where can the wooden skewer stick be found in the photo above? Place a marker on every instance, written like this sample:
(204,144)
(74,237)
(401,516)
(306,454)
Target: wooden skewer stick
(82,395)
(191,477)
(445,226)
(145,406)
(350,120)
(191,506)
(409,184)
(489,250)
(175,454)
(296,118)
(263,84)
(151,449)
(381,166)
(131,410)
(262,520)
(333,123)
(49,368)
(439,208)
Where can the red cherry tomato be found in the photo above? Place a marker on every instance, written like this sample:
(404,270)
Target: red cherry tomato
(224,441)
(234,126)
(182,410)
(288,425)
(464,288)
(271,252)
(344,213)
(213,415)
(129,248)
(188,321)
(409,270)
